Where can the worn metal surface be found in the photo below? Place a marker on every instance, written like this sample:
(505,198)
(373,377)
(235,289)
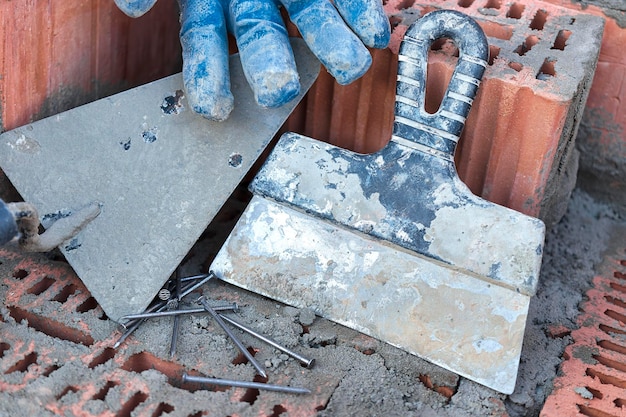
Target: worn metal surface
(160,171)
(430,309)
(393,243)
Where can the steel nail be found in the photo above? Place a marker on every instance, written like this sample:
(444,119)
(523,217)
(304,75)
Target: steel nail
(193,278)
(176,323)
(167,313)
(198,284)
(305,361)
(158,307)
(245,384)
(174,339)
(240,346)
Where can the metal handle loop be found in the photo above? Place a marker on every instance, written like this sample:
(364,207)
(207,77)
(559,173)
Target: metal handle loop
(438,132)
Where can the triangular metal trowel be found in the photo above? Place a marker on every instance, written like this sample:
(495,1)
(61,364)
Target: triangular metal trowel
(160,171)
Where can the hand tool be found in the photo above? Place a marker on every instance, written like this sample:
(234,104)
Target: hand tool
(393,243)
(160,171)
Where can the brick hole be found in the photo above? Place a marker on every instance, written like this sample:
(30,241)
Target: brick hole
(546,70)
(619,275)
(436,83)
(516,66)
(403,5)
(49,370)
(607,344)
(241,358)
(22,365)
(144,361)
(606,379)
(40,286)
(66,391)
(163,408)
(494,51)
(50,327)
(447,392)
(596,394)
(617,287)
(106,355)
(132,403)
(3,348)
(611,331)
(394,21)
(616,316)
(615,301)
(611,363)
(251,394)
(496,30)
(592,412)
(103,316)
(446,46)
(527,45)
(65,293)
(20,274)
(198,414)
(465,3)
(619,402)
(278,410)
(561,39)
(305,329)
(622,262)
(102,393)
(539,21)
(493,4)
(515,11)
(87,305)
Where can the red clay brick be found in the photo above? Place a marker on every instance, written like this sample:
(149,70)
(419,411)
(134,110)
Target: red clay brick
(518,146)
(592,379)
(44,357)
(57,55)
(603,128)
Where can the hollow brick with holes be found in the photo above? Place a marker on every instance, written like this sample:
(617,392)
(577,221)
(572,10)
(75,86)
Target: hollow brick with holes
(57,358)
(517,149)
(592,379)
(602,137)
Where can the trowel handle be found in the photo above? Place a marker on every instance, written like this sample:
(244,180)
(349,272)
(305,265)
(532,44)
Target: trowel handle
(414,126)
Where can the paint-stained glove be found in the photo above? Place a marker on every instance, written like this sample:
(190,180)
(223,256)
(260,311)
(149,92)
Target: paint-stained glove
(8,225)
(337,33)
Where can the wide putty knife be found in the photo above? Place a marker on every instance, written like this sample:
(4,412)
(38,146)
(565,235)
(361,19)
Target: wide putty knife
(393,244)
(160,171)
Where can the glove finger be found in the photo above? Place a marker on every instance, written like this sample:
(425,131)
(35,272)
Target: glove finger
(335,45)
(367,19)
(266,56)
(205,58)
(135,8)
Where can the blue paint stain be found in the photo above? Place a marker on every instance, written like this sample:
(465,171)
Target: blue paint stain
(72,245)
(150,135)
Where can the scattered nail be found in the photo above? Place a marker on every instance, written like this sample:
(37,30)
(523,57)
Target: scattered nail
(245,384)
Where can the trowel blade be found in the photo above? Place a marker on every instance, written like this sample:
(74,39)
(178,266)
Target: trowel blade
(160,171)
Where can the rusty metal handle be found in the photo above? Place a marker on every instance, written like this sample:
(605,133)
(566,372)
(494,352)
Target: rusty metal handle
(437,133)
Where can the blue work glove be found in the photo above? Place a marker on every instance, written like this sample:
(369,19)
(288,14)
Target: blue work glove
(337,34)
